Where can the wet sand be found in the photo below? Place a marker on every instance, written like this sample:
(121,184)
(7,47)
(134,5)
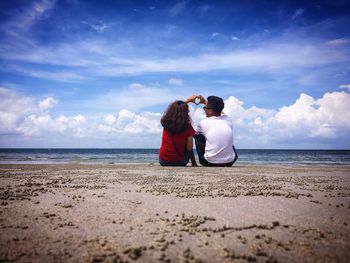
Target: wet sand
(147,213)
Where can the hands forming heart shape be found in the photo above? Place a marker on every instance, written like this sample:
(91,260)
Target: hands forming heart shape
(196,99)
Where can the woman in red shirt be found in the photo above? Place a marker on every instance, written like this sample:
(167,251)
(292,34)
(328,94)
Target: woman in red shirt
(177,138)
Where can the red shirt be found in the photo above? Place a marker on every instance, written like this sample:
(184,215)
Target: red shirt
(167,150)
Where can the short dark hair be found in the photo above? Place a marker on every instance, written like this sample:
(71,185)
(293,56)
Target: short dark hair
(215,103)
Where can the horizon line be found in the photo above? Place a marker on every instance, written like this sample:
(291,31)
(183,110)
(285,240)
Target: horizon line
(139,148)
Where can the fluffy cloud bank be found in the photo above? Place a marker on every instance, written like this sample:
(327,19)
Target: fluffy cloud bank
(305,120)
(21,115)
(316,121)
(128,122)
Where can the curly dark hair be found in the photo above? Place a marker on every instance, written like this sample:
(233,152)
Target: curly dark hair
(176,119)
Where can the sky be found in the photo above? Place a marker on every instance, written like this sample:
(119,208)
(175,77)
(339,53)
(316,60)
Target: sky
(100,74)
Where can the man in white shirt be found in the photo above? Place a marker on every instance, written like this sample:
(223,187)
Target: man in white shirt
(214,136)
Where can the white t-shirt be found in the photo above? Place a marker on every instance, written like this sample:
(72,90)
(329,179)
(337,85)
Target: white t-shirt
(219,139)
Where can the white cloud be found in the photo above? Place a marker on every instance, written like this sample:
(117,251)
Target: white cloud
(13,107)
(345,86)
(280,57)
(47,103)
(124,118)
(28,16)
(338,42)
(35,125)
(128,122)
(297,13)
(235,38)
(197,114)
(100,27)
(46,125)
(136,86)
(178,8)
(22,115)
(15,102)
(57,75)
(175,82)
(110,119)
(135,97)
(145,123)
(79,118)
(302,111)
(81,61)
(215,34)
(307,119)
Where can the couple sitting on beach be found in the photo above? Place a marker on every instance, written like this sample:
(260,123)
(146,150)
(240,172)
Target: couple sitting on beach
(213,136)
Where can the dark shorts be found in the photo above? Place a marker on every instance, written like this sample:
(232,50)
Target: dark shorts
(182,162)
(199,140)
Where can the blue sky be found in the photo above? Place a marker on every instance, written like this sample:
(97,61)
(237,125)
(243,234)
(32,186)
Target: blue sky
(101,73)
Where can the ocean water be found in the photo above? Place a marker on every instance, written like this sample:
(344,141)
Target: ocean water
(263,157)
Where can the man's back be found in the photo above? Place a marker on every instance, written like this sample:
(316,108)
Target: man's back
(219,139)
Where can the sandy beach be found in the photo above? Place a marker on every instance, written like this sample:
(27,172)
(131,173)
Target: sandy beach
(148,213)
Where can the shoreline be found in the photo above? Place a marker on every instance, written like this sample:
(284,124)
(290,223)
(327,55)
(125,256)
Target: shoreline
(148,213)
(284,157)
(286,165)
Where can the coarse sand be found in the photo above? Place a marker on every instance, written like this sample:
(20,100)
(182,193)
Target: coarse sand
(149,213)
